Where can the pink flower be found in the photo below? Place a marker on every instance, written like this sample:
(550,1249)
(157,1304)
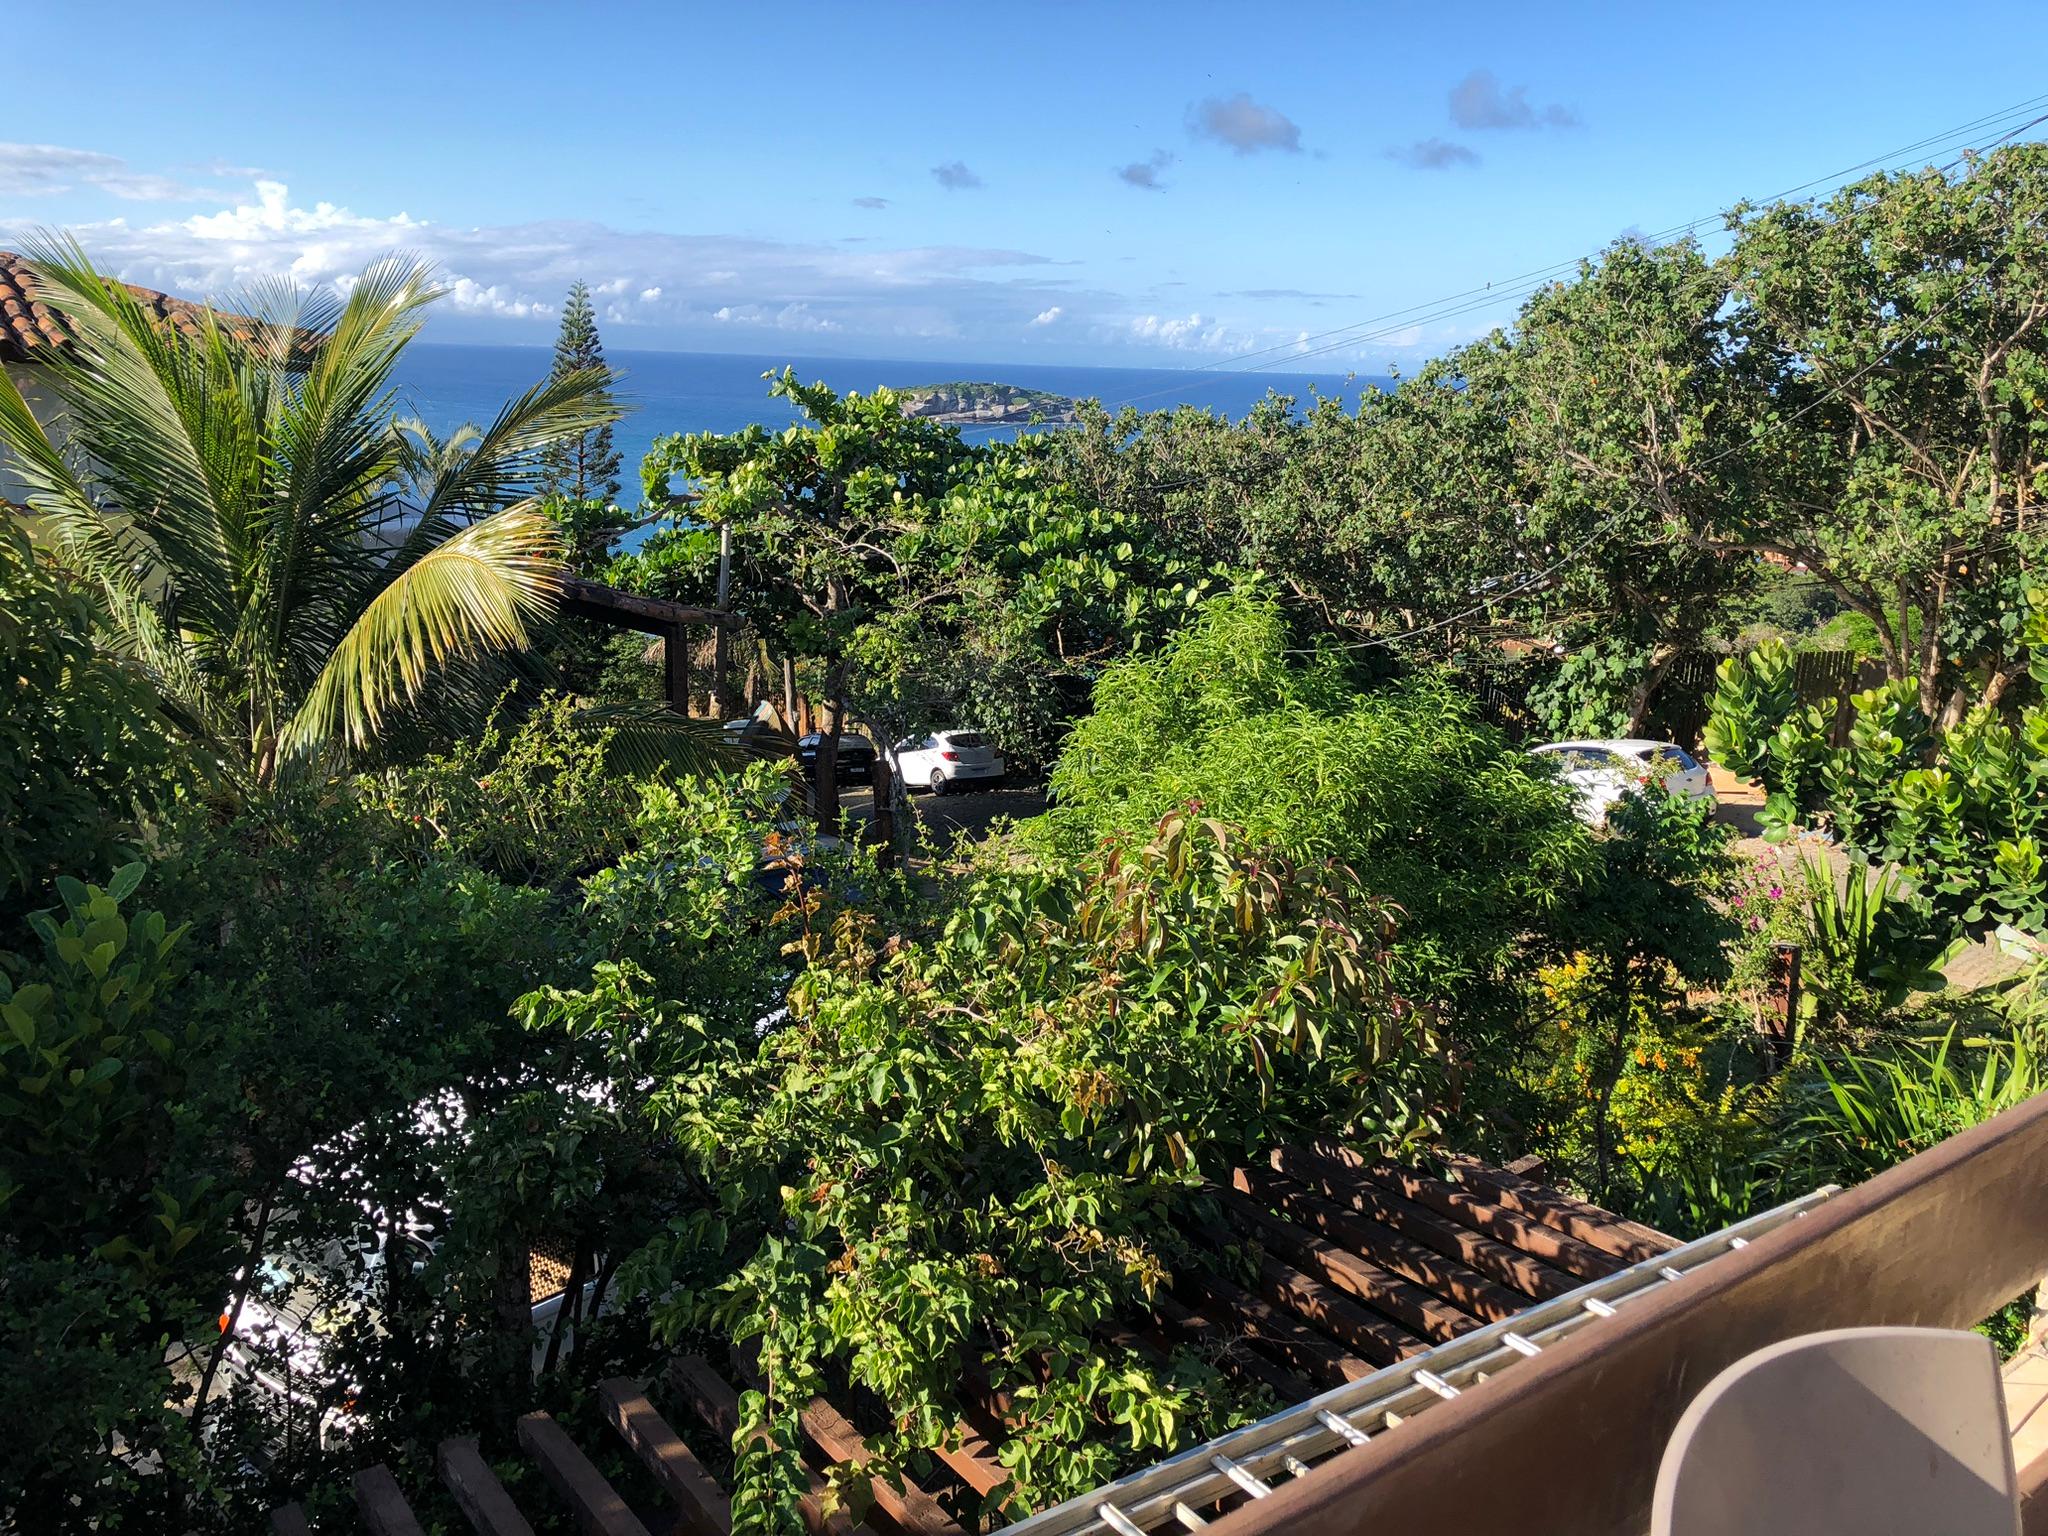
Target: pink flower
(1776,892)
(1755,923)
(1737,902)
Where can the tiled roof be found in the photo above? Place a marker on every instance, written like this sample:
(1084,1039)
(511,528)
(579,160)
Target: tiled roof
(29,327)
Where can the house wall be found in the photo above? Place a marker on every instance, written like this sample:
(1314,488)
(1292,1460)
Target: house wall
(43,404)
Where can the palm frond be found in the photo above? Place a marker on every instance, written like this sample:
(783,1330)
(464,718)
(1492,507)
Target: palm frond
(473,594)
(648,738)
(504,456)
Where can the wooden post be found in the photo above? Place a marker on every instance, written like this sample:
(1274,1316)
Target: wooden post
(1781,1003)
(675,653)
(885,808)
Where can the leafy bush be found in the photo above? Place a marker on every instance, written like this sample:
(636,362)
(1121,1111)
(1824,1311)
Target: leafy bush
(534,802)
(1474,841)
(81,745)
(1876,1110)
(965,1154)
(1963,813)
(111,1232)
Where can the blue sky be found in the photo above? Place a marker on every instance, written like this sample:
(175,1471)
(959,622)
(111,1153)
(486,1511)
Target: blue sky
(1140,184)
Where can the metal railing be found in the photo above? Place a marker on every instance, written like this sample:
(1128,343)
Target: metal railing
(1169,1496)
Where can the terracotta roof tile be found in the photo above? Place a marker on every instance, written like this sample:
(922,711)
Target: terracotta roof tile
(29,325)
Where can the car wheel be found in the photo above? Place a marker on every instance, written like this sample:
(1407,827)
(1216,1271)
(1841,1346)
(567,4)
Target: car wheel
(938,781)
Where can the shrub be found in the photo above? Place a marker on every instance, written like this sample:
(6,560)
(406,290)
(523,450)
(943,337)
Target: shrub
(965,1154)
(1473,841)
(111,1232)
(81,745)
(534,802)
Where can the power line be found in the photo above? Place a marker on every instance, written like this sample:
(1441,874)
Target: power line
(1542,578)
(1523,284)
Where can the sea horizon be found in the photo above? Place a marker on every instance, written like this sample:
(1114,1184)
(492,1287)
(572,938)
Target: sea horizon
(449,383)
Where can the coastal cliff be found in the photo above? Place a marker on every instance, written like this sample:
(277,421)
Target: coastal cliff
(969,404)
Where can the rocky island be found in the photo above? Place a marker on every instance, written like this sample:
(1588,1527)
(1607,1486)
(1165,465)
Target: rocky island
(970,404)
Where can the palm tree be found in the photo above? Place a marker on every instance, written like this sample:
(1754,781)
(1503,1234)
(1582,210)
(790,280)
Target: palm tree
(298,574)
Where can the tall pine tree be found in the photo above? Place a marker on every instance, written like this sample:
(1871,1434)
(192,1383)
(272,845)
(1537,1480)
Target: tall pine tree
(586,467)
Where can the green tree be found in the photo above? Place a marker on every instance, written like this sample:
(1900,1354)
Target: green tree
(249,519)
(1905,323)
(817,511)
(585,466)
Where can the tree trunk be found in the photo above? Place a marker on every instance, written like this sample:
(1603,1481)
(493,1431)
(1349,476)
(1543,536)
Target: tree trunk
(227,1333)
(885,811)
(1645,691)
(828,750)
(789,693)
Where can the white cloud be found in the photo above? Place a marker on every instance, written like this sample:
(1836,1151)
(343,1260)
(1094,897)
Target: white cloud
(954,176)
(1191,333)
(41,170)
(1480,101)
(1433,155)
(711,290)
(1243,124)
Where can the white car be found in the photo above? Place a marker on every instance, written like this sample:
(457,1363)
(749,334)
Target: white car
(1601,772)
(945,758)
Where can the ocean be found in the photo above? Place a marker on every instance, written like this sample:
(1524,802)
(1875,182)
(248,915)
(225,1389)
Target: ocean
(447,384)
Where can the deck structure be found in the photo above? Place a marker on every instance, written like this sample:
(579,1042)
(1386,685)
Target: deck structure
(1347,1275)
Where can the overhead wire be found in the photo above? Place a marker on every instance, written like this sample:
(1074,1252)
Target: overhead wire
(1505,290)
(1541,579)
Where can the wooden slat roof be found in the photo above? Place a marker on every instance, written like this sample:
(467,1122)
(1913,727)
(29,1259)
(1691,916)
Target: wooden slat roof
(1340,1265)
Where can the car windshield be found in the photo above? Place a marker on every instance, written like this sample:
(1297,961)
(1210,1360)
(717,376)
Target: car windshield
(1578,758)
(1678,757)
(964,739)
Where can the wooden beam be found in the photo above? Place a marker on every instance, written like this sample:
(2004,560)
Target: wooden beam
(1213,1334)
(703,1506)
(1293,1341)
(973,1456)
(1457,1283)
(1490,1257)
(381,1505)
(1470,1208)
(598,1509)
(908,1507)
(1378,1339)
(714,1401)
(1405,1302)
(629,610)
(675,665)
(477,1491)
(1569,1443)
(1629,1240)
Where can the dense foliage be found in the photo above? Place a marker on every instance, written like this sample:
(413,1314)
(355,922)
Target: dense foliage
(340,985)
(961,1157)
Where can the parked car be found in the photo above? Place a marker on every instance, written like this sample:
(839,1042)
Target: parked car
(1601,772)
(856,758)
(944,758)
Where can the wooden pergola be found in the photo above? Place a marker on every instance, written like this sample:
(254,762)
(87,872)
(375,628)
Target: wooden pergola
(672,622)
(1360,1267)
